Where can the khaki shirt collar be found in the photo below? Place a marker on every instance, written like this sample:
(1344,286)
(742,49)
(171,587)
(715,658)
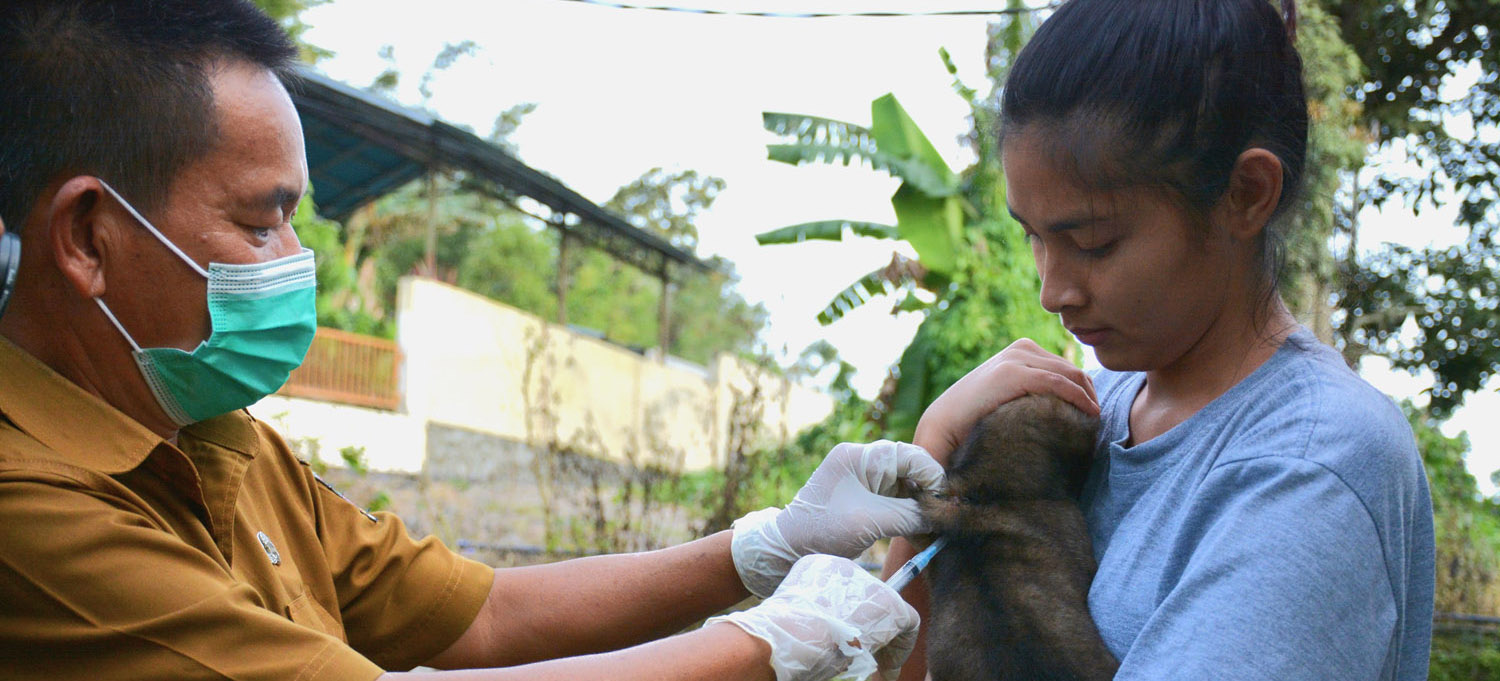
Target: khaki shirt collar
(234,431)
(66,418)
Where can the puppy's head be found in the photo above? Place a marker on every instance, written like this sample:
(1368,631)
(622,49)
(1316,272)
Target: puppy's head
(1034,447)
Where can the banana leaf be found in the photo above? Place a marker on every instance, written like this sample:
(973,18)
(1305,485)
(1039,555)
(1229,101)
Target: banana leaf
(883,281)
(812,129)
(911,396)
(915,173)
(896,134)
(932,225)
(828,230)
(911,303)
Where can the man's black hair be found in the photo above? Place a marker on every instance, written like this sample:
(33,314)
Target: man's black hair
(1166,92)
(118,89)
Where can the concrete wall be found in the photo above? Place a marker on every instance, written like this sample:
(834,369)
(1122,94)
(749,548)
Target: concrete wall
(392,441)
(474,364)
(480,365)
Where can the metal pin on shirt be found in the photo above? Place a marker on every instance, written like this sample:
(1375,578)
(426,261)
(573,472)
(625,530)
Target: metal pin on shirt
(271,552)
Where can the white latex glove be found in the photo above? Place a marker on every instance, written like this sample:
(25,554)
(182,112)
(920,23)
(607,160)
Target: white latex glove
(831,618)
(845,506)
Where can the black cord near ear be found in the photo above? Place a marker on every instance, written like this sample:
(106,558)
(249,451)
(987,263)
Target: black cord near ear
(10,262)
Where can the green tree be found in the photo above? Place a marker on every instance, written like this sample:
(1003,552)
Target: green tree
(972,262)
(289,14)
(1467,526)
(1408,53)
(341,302)
(1337,143)
(706,314)
(513,262)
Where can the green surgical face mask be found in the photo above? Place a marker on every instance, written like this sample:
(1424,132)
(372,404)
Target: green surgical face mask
(263,317)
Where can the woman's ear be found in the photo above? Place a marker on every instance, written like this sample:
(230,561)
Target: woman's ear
(1254,192)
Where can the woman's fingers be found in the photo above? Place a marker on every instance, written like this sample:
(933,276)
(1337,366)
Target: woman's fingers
(1023,368)
(1070,390)
(1027,353)
(1062,367)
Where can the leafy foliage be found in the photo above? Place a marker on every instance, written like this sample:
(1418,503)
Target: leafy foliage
(289,14)
(707,315)
(341,302)
(1337,142)
(1468,527)
(1432,308)
(1460,656)
(1450,296)
(827,230)
(972,261)
(769,477)
(484,245)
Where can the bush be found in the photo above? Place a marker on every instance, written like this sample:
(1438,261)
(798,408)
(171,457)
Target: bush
(1465,656)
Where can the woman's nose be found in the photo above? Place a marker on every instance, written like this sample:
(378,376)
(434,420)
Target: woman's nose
(1061,286)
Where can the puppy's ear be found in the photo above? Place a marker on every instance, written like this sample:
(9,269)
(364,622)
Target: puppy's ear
(941,512)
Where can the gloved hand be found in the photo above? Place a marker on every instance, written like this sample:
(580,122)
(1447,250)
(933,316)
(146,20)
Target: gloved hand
(845,506)
(830,617)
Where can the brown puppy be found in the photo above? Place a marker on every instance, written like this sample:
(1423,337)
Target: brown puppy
(1010,590)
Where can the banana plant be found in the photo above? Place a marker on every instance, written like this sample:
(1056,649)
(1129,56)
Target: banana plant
(970,253)
(929,204)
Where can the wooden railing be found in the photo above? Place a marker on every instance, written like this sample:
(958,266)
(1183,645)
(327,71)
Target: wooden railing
(349,368)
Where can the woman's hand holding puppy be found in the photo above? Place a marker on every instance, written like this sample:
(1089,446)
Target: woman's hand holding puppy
(1023,368)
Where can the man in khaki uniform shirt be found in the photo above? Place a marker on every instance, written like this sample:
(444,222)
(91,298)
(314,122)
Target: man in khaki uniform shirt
(151,286)
(131,534)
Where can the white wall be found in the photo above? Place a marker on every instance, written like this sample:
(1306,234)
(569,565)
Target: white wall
(392,441)
(474,363)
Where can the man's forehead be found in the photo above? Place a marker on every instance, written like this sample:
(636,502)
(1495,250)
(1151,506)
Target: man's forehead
(260,146)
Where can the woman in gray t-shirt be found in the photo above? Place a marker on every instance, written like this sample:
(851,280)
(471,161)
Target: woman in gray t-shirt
(1257,510)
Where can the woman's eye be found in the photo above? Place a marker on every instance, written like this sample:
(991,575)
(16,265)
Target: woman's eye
(1097,251)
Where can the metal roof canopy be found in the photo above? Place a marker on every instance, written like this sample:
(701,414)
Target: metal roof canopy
(361,146)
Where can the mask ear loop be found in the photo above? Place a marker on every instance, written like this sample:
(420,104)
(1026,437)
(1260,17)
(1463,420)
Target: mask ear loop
(147,224)
(117,324)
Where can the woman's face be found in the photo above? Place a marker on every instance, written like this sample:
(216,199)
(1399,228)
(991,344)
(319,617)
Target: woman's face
(1130,271)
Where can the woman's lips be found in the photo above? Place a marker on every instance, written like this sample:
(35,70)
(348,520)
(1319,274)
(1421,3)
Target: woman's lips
(1089,336)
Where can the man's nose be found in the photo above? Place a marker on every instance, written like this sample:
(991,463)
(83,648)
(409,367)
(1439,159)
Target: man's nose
(287,243)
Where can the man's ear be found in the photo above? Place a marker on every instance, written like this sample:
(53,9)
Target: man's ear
(1254,191)
(77,230)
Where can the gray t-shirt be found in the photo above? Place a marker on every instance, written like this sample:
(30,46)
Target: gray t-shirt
(1283,532)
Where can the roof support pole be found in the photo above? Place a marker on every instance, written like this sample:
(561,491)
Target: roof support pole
(562,274)
(664,316)
(432,212)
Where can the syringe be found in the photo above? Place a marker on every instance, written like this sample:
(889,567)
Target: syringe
(909,571)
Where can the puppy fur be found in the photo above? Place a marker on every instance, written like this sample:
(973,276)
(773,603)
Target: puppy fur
(1010,591)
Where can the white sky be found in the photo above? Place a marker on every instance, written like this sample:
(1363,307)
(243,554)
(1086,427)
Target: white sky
(621,91)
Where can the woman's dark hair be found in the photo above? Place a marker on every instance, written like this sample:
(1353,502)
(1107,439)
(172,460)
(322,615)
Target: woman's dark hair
(117,88)
(1166,92)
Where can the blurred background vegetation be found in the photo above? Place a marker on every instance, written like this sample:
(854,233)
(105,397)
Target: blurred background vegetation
(1376,76)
